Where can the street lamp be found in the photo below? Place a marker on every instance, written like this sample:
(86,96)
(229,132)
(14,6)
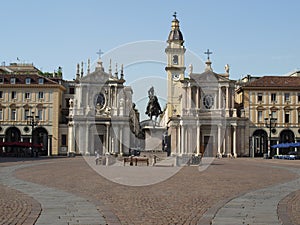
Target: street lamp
(32,121)
(270,123)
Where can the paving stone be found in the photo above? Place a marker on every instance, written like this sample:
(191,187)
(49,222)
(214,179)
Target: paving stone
(182,199)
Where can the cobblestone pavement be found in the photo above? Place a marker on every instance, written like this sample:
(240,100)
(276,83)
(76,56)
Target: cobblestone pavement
(17,208)
(182,199)
(252,207)
(58,207)
(294,205)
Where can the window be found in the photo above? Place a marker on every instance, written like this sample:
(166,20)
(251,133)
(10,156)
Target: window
(27,95)
(259,116)
(1,80)
(287,117)
(273,114)
(13,95)
(41,95)
(299,117)
(27,80)
(298,97)
(175,59)
(41,80)
(1,94)
(40,114)
(67,102)
(1,114)
(286,97)
(63,140)
(13,80)
(26,114)
(71,90)
(273,97)
(259,97)
(13,115)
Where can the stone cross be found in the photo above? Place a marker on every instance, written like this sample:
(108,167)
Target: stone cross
(99,53)
(208,53)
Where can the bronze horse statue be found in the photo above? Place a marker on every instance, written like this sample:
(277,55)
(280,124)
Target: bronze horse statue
(153,107)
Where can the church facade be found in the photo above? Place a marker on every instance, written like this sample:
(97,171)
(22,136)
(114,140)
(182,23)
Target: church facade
(200,116)
(101,116)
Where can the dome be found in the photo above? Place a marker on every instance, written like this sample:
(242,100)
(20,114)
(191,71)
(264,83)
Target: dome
(175,33)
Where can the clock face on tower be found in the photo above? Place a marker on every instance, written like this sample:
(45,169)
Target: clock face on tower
(175,76)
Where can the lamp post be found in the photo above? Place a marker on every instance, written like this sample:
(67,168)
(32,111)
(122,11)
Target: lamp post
(270,123)
(32,121)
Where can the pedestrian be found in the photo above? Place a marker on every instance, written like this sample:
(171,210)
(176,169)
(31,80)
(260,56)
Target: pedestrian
(97,157)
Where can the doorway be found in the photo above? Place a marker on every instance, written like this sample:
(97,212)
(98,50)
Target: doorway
(208,146)
(98,144)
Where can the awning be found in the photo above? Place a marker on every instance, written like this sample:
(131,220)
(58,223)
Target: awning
(19,144)
(286,145)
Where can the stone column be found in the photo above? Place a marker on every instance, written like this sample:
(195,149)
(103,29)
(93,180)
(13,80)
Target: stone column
(184,103)
(197,98)
(87,140)
(107,138)
(224,142)
(187,139)
(234,140)
(228,140)
(227,98)
(220,98)
(121,141)
(178,141)
(219,139)
(71,138)
(198,138)
(182,139)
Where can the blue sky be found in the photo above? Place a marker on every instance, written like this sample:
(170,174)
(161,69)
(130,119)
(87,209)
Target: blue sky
(253,37)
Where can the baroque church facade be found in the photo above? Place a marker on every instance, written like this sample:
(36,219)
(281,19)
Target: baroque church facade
(101,115)
(200,115)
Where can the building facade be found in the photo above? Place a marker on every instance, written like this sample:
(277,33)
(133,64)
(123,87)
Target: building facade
(200,116)
(101,115)
(30,105)
(270,97)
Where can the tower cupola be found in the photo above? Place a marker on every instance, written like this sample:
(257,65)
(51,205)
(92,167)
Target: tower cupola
(175,33)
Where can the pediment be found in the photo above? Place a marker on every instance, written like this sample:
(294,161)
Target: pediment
(99,77)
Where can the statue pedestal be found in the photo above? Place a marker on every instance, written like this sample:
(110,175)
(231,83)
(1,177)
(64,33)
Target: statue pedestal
(153,138)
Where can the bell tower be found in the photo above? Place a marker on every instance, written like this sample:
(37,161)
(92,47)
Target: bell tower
(175,68)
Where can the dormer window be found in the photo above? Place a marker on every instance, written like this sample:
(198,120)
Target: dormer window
(41,80)
(28,80)
(13,80)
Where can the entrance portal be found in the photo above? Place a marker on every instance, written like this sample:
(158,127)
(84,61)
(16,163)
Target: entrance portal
(40,136)
(98,144)
(208,146)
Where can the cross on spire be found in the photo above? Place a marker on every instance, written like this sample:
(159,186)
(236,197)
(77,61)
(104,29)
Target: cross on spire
(175,15)
(208,53)
(99,53)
